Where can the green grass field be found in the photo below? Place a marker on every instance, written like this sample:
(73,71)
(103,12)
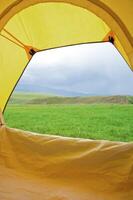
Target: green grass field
(94,121)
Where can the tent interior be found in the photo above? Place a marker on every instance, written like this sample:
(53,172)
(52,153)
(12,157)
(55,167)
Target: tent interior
(34,166)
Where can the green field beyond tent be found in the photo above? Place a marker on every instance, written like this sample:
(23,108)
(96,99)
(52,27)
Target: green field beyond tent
(108,118)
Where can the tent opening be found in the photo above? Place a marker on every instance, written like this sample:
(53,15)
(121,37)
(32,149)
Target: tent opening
(75,91)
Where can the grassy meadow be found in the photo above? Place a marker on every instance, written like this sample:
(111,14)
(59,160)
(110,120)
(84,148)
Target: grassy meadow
(108,118)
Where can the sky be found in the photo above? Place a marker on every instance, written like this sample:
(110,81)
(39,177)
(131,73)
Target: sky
(80,70)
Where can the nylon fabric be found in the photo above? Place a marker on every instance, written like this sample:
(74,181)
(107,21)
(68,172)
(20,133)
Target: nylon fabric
(45,167)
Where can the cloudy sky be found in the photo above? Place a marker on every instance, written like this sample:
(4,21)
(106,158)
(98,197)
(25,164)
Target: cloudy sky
(89,69)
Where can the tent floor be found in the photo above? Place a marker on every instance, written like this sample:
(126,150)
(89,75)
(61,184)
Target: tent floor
(43,167)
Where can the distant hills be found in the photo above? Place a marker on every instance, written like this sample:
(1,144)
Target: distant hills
(39,98)
(48,90)
(37,88)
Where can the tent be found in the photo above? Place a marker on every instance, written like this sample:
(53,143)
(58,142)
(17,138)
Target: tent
(33,166)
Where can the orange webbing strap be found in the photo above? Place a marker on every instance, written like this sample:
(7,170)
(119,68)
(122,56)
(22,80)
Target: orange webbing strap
(14,37)
(110,37)
(30,51)
(11,40)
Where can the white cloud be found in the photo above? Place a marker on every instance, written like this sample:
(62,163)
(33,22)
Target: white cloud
(88,69)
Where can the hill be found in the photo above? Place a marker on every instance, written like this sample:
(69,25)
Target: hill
(39,98)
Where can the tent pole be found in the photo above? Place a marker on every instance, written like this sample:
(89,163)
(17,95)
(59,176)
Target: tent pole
(1,119)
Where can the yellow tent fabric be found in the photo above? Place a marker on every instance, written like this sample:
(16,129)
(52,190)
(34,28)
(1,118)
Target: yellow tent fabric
(45,24)
(34,166)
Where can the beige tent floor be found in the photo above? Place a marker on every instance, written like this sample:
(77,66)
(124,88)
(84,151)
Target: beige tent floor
(43,167)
